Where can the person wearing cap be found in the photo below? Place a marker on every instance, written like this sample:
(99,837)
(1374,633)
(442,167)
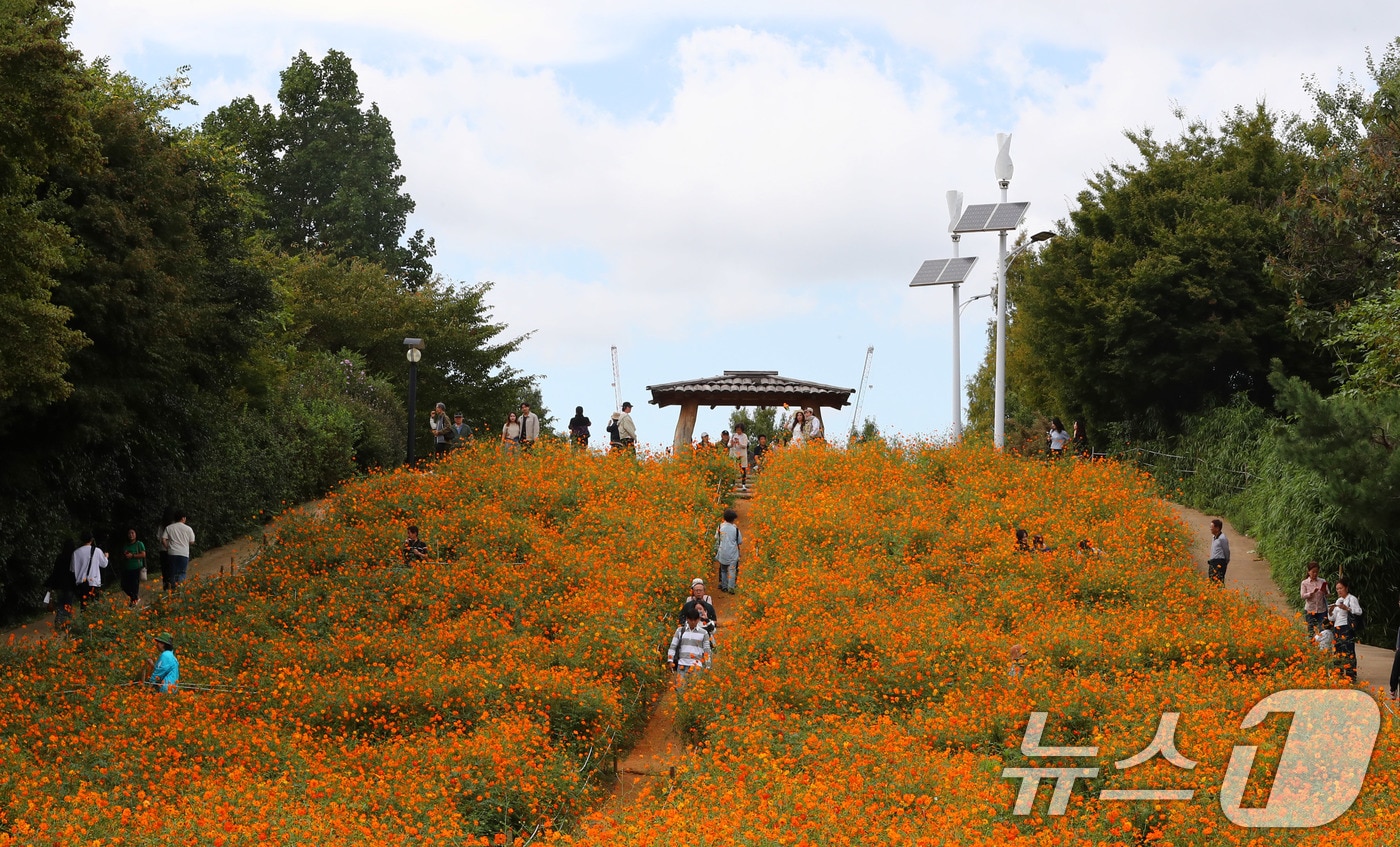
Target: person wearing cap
(163,672)
(460,429)
(698,599)
(705,442)
(626,429)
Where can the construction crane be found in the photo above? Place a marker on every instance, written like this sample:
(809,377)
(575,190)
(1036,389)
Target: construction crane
(617,379)
(860,392)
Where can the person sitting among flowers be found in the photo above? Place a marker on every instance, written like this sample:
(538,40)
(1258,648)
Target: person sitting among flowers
(163,672)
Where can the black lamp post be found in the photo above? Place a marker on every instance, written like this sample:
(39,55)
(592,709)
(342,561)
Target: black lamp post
(415,352)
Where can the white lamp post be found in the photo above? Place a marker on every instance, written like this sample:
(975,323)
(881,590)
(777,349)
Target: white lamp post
(955,205)
(1004,169)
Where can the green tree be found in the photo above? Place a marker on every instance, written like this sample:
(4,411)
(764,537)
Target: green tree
(762,420)
(1353,444)
(1154,302)
(42,122)
(326,170)
(331,304)
(1344,217)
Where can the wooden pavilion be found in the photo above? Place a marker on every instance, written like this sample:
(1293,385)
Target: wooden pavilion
(740,389)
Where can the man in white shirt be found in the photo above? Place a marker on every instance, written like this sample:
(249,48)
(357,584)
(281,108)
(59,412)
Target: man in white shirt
(1219,552)
(626,429)
(87,564)
(176,540)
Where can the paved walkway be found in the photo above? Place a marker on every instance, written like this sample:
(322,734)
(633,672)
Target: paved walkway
(211,563)
(1250,575)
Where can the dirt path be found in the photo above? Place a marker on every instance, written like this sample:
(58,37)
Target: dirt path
(1250,574)
(662,747)
(221,560)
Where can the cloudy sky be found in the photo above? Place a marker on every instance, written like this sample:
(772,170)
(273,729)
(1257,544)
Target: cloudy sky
(745,185)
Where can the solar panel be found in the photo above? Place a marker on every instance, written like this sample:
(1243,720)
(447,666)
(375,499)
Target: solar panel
(943,271)
(991,217)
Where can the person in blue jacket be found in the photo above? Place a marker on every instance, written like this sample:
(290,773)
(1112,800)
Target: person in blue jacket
(165,670)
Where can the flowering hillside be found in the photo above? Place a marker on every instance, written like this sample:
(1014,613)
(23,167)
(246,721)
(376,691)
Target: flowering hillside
(896,643)
(448,703)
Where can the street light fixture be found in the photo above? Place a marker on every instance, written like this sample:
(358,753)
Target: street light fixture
(414,354)
(999,218)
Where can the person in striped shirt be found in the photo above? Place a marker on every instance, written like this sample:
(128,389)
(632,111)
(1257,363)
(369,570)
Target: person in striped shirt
(690,649)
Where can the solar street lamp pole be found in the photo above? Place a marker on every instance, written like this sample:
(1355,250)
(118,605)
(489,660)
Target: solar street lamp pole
(1004,170)
(955,204)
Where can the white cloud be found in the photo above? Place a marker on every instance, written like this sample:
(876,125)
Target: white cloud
(792,180)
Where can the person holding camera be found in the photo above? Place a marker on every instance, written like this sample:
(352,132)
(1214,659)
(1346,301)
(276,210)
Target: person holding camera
(1342,614)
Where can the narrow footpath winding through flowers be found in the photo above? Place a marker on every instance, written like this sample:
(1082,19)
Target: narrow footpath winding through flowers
(1251,574)
(662,747)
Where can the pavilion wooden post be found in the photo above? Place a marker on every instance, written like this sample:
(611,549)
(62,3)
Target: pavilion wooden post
(685,427)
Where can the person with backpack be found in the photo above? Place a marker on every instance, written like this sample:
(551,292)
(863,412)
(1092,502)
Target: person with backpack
(87,564)
(690,652)
(728,539)
(1347,619)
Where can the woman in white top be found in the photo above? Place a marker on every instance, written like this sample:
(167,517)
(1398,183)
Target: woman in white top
(1058,438)
(1341,613)
(798,436)
(510,433)
(739,451)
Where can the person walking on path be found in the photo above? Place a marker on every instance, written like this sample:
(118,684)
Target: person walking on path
(529,427)
(1079,440)
(1058,438)
(578,428)
(1314,592)
(1342,614)
(510,434)
(133,568)
(739,452)
(441,428)
(690,652)
(727,550)
(698,599)
(87,564)
(626,429)
(163,672)
(177,540)
(1395,670)
(1219,559)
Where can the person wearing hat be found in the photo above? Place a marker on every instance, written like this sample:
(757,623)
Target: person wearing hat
(626,429)
(460,429)
(163,672)
(705,604)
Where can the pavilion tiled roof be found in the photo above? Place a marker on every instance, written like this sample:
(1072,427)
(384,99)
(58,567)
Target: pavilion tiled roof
(749,388)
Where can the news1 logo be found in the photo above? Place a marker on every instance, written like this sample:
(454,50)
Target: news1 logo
(1319,774)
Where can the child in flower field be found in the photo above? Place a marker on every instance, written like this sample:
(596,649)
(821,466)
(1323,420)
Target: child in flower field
(690,649)
(727,553)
